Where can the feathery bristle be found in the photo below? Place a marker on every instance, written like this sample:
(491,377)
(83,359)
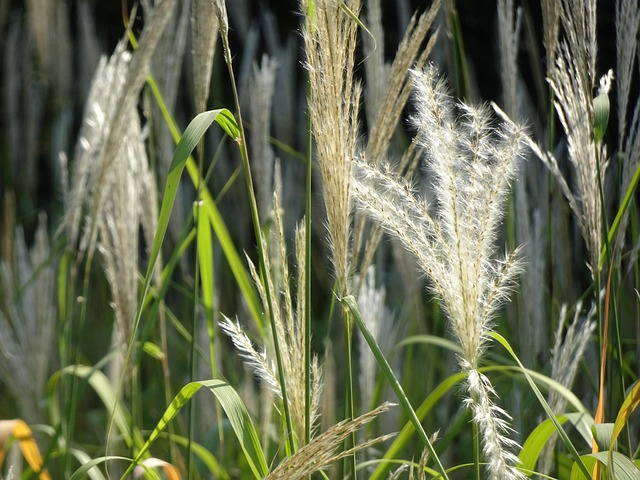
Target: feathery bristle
(320,452)
(330,45)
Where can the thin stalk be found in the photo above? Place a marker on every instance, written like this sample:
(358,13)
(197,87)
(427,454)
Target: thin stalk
(194,323)
(350,303)
(307,290)
(476,449)
(350,462)
(164,345)
(603,322)
(261,253)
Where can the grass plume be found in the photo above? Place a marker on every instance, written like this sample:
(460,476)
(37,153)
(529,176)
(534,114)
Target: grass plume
(471,163)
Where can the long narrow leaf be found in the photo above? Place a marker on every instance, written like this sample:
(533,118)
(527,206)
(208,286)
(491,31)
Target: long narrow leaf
(563,435)
(217,223)
(83,471)
(631,402)
(350,302)
(626,201)
(540,435)
(623,467)
(236,413)
(101,385)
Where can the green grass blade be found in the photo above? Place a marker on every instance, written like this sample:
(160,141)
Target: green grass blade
(226,243)
(205,261)
(101,385)
(350,302)
(631,402)
(430,340)
(82,457)
(540,435)
(208,459)
(624,206)
(192,135)
(83,472)
(623,467)
(217,223)
(565,439)
(236,413)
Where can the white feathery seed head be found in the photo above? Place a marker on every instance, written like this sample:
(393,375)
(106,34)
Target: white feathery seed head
(334,101)
(471,162)
(262,367)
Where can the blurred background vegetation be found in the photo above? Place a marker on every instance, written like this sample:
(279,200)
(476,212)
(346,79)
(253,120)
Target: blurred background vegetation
(49,52)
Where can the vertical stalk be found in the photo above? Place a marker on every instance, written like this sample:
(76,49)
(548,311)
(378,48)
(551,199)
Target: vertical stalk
(350,461)
(307,290)
(261,253)
(476,450)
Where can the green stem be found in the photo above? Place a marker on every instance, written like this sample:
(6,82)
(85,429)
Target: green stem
(350,463)
(476,449)
(307,290)
(261,253)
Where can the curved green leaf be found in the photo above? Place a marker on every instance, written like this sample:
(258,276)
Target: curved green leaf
(618,466)
(94,472)
(430,340)
(101,385)
(602,435)
(624,206)
(236,413)
(540,435)
(631,402)
(561,433)
(83,471)
(192,135)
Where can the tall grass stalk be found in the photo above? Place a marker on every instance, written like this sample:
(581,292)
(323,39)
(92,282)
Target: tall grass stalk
(334,99)
(220,8)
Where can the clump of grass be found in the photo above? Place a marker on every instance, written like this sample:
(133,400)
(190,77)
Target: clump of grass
(470,161)
(472,164)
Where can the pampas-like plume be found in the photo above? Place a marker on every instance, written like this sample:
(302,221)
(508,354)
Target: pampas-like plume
(261,92)
(320,452)
(111,102)
(471,163)
(204,27)
(509,23)
(330,44)
(627,21)
(117,190)
(387,93)
(572,79)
